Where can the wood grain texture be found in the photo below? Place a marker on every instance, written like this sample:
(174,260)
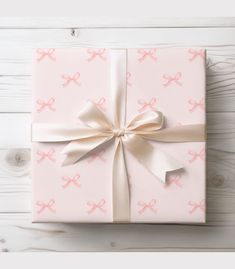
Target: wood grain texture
(18,39)
(106,22)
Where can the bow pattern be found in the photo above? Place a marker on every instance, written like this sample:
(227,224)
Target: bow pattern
(96,129)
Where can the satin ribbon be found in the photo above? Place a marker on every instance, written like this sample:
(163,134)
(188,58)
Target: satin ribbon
(96,130)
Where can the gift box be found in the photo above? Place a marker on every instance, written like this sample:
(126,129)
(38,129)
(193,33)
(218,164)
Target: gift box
(118,135)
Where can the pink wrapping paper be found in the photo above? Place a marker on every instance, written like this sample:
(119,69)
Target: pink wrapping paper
(171,80)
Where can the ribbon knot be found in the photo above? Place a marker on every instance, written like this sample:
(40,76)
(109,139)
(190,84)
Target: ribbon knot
(119,132)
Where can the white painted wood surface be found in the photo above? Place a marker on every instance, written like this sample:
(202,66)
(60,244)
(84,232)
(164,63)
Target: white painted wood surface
(18,37)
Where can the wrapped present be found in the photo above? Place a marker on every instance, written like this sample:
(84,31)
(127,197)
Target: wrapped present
(118,135)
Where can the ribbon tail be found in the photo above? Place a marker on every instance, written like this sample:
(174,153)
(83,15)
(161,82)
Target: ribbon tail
(78,149)
(121,196)
(154,160)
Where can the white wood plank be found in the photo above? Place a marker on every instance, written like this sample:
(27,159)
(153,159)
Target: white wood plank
(15,130)
(15,94)
(101,237)
(111,22)
(15,202)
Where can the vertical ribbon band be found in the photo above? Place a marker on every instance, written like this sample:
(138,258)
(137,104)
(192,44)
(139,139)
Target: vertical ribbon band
(118,83)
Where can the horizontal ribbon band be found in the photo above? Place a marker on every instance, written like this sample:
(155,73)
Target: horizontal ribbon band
(96,129)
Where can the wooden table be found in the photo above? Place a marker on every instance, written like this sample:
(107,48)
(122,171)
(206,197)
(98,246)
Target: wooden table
(18,37)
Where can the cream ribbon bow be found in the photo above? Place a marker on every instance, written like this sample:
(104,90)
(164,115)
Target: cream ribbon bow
(96,129)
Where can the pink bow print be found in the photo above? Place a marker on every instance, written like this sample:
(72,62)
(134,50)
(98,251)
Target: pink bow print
(128,79)
(96,53)
(176,179)
(71,180)
(144,206)
(93,206)
(43,155)
(68,79)
(46,104)
(45,54)
(194,104)
(144,105)
(147,53)
(100,103)
(195,155)
(96,155)
(194,206)
(196,53)
(170,79)
(42,206)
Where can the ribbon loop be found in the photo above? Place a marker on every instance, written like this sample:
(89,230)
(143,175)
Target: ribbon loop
(94,118)
(145,122)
